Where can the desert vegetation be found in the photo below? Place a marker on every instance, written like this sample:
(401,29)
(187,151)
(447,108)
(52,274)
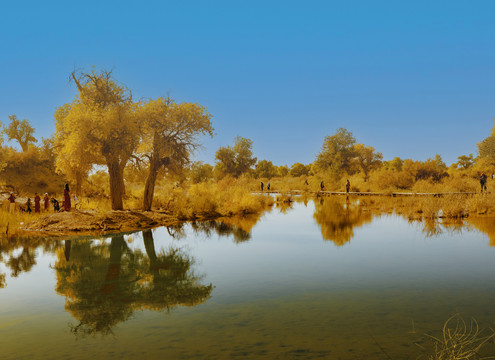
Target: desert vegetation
(120,153)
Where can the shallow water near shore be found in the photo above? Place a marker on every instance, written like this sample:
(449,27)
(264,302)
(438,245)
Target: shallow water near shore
(315,279)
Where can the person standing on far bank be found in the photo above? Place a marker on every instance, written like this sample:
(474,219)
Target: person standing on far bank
(483,182)
(28,206)
(12,203)
(347,186)
(46,202)
(66,198)
(37,203)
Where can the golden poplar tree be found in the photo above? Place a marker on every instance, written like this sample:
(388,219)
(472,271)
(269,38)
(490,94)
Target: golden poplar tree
(169,133)
(100,126)
(21,131)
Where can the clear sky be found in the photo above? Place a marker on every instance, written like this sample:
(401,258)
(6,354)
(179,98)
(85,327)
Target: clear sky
(410,78)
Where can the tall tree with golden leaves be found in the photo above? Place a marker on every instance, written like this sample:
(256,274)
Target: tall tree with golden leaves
(169,133)
(21,131)
(337,152)
(235,160)
(100,121)
(486,148)
(367,159)
(75,156)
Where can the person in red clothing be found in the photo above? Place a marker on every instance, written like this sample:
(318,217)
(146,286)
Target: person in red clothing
(66,198)
(37,204)
(46,202)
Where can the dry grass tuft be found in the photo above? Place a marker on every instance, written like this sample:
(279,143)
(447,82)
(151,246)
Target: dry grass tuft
(460,341)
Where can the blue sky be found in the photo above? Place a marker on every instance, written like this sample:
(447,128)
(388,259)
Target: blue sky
(413,79)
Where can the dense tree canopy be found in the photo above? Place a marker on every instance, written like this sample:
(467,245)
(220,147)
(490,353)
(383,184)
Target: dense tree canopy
(21,131)
(265,169)
(100,126)
(236,160)
(298,169)
(465,161)
(200,172)
(169,133)
(367,159)
(337,152)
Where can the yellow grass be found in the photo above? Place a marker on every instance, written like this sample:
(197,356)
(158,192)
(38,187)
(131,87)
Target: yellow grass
(10,224)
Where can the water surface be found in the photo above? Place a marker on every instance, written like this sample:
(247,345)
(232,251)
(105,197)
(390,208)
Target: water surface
(317,279)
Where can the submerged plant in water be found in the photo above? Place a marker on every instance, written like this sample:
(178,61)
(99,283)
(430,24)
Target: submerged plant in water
(460,341)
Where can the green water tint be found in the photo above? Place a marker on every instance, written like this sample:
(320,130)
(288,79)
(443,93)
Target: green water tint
(327,279)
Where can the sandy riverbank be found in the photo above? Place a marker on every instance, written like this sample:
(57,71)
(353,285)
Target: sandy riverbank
(90,222)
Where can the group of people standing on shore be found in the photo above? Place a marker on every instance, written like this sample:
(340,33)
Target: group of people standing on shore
(263,185)
(27,207)
(347,186)
(322,185)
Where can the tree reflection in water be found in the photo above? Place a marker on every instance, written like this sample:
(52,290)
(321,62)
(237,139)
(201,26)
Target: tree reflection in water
(337,218)
(484,224)
(19,254)
(105,283)
(238,227)
(285,206)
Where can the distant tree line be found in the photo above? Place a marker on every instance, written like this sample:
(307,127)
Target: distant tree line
(105,139)
(341,156)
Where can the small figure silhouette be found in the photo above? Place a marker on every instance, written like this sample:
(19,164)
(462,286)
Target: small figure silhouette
(483,182)
(12,203)
(56,206)
(28,205)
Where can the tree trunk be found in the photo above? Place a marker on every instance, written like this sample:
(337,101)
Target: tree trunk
(149,246)
(116,183)
(24,145)
(67,248)
(149,188)
(79,180)
(113,273)
(155,265)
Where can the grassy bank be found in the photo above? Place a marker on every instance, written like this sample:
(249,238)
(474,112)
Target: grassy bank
(240,197)
(210,200)
(448,206)
(10,224)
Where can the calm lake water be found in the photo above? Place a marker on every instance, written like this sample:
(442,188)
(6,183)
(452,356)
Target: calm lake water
(322,279)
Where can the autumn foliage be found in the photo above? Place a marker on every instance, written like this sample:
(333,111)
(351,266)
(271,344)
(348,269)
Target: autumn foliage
(137,154)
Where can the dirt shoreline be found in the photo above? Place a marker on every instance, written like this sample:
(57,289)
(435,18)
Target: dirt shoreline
(92,222)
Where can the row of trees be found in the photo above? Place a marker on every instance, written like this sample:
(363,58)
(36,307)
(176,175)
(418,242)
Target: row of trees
(104,126)
(34,166)
(342,156)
